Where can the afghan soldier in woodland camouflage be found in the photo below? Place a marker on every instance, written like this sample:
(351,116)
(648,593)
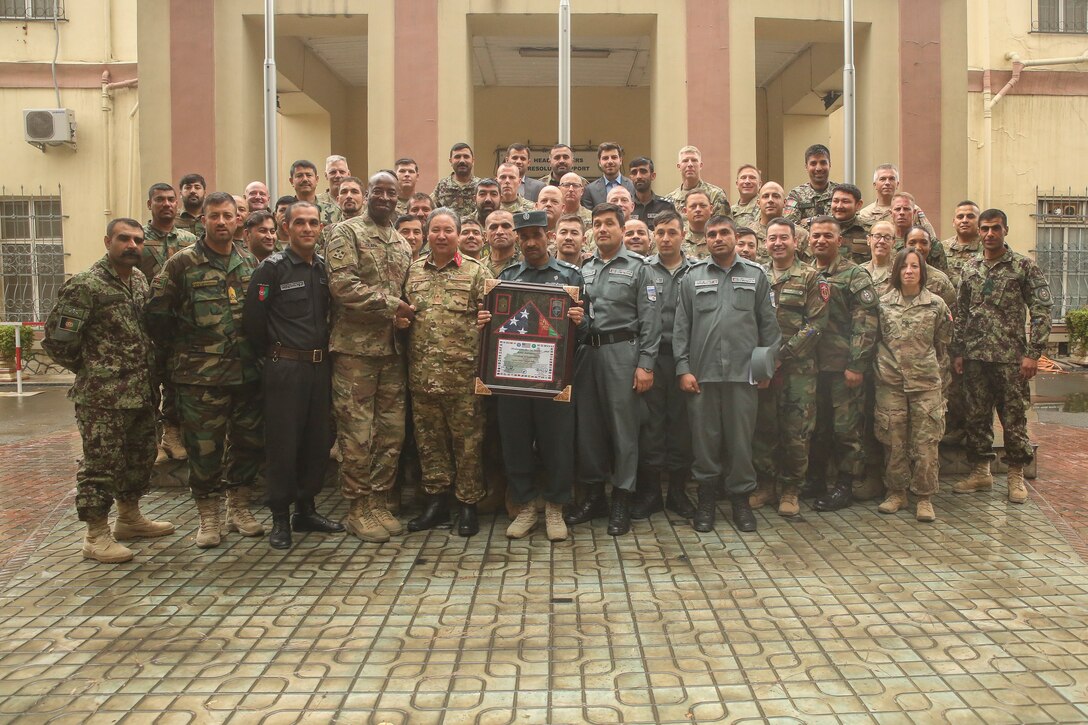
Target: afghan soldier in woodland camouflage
(787,408)
(445,288)
(458,190)
(844,355)
(97,331)
(195,315)
(1000,289)
(813,198)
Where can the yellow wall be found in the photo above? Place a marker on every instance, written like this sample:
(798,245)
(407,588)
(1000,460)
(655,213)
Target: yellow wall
(91,31)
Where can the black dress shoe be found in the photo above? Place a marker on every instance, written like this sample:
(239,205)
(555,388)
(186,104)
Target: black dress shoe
(593,506)
(839,497)
(647,500)
(619,519)
(676,500)
(703,520)
(306,518)
(435,513)
(743,517)
(468,523)
(280,538)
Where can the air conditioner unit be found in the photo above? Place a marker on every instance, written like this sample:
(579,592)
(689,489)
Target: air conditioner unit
(49,126)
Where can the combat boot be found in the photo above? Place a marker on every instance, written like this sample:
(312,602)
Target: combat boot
(676,500)
(703,520)
(161,456)
(593,506)
(171,442)
(524,522)
(925,512)
(435,513)
(619,518)
(553,521)
(280,537)
(1018,490)
(98,544)
(980,479)
(895,501)
(788,505)
(306,518)
(379,509)
(839,496)
(468,522)
(131,524)
(208,535)
(647,500)
(744,519)
(361,522)
(239,517)
(763,495)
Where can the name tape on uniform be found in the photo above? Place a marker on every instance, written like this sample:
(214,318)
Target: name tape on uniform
(292,285)
(706,283)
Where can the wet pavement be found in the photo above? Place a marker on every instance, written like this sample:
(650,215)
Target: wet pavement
(849,617)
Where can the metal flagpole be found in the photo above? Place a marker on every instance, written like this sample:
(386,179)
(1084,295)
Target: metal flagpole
(564,72)
(849,117)
(271,162)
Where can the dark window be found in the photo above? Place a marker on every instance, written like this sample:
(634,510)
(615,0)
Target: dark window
(31,256)
(1061,16)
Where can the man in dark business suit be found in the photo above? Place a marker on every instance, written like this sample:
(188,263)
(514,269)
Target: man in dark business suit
(610,161)
(518,155)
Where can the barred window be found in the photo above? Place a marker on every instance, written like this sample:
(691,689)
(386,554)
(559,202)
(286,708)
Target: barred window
(31,255)
(31,9)
(1061,16)
(1061,249)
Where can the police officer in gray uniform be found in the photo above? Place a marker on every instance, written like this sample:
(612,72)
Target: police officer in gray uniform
(665,441)
(613,369)
(724,339)
(286,317)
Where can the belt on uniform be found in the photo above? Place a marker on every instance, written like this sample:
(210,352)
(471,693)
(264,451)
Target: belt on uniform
(599,339)
(279,352)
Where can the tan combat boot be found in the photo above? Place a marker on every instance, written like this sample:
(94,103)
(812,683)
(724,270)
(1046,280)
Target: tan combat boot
(524,522)
(171,442)
(131,524)
(161,456)
(925,512)
(763,495)
(362,522)
(208,535)
(788,505)
(553,521)
(99,544)
(979,479)
(1018,490)
(379,509)
(895,501)
(239,517)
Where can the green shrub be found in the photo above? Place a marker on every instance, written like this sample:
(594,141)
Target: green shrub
(1077,323)
(7,340)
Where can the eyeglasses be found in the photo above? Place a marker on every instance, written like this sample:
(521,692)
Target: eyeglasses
(571,185)
(882,237)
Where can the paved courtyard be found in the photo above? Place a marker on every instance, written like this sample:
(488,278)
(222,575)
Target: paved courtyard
(853,617)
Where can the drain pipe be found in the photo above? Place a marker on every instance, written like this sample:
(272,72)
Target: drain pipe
(107,137)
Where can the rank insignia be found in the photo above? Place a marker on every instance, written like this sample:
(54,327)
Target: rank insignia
(233,295)
(262,292)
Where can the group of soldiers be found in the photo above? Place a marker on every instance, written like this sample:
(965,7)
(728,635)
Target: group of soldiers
(729,344)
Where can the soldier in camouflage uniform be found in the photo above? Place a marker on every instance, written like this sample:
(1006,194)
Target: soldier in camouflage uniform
(407,171)
(903,214)
(813,198)
(697,206)
(690,163)
(192,188)
(336,170)
(886,184)
(772,200)
(787,408)
(845,200)
(304,180)
(97,331)
(502,252)
(350,199)
(368,263)
(844,354)
(486,199)
(458,190)
(195,315)
(509,177)
(915,326)
(162,239)
(1000,289)
(445,288)
(965,245)
(746,211)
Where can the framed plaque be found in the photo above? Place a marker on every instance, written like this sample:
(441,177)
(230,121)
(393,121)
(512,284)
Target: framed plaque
(528,347)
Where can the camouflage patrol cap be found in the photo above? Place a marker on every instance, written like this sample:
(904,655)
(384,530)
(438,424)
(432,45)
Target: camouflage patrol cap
(525,219)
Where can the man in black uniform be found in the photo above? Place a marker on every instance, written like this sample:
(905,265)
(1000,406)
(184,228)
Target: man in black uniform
(286,316)
(525,421)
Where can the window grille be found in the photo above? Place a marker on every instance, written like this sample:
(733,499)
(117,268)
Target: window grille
(31,254)
(1060,16)
(1061,248)
(30,9)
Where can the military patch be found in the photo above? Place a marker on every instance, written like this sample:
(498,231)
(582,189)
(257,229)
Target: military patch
(232,294)
(825,290)
(651,293)
(262,292)
(72,324)
(774,302)
(867,296)
(159,282)
(292,285)
(1043,294)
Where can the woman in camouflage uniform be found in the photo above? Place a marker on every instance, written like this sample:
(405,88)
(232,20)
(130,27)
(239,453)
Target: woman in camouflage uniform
(915,329)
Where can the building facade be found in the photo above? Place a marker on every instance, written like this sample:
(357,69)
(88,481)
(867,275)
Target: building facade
(374,80)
